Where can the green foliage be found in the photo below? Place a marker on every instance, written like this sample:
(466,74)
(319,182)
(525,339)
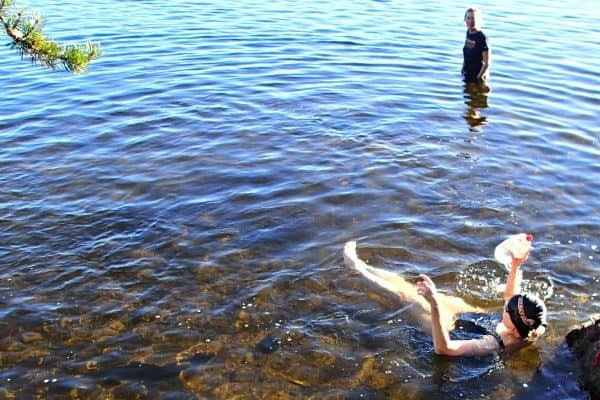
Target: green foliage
(28,38)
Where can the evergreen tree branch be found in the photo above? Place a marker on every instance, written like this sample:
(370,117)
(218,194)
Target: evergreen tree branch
(28,38)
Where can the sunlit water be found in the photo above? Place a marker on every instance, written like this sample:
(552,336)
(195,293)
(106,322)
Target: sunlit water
(172,221)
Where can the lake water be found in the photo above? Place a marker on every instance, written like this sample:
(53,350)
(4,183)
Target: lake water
(172,221)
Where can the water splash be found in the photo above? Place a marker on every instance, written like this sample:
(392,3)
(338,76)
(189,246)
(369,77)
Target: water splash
(485,281)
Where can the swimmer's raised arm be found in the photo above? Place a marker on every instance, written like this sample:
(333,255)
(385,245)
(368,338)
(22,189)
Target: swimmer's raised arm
(513,282)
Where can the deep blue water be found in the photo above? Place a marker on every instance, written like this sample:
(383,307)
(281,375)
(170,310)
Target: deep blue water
(172,220)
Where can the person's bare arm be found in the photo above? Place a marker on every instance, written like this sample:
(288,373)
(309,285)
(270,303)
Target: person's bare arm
(485,65)
(441,338)
(513,282)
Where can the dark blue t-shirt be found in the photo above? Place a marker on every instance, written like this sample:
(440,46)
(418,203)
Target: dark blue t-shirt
(475,45)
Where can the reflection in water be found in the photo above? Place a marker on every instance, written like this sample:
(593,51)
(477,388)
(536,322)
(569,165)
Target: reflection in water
(476,98)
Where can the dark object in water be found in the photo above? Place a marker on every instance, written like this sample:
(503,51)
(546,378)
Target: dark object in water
(269,344)
(584,342)
(200,358)
(147,373)
(373,340)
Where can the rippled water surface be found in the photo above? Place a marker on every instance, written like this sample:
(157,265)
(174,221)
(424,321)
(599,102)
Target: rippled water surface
(172,221)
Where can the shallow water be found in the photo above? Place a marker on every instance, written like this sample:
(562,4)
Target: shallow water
(172,221)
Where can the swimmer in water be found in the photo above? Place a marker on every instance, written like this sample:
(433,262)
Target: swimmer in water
(523,316)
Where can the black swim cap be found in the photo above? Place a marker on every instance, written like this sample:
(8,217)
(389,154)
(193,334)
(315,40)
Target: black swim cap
(527,312)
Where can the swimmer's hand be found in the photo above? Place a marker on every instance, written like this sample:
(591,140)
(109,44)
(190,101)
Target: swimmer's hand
(426,288)
(517,261)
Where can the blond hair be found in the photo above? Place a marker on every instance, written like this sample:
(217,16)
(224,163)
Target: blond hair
(476,16)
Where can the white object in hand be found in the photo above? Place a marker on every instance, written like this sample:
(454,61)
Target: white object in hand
(518,244)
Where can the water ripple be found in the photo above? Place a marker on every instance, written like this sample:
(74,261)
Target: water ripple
(172,221)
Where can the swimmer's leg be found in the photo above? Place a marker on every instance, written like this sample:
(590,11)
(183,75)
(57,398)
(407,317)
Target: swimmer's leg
(449,305)
(386,279)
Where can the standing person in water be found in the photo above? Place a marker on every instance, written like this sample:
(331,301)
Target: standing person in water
(523,317)
(476,53)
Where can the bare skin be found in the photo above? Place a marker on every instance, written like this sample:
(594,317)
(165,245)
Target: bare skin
(436,311)
(407,291)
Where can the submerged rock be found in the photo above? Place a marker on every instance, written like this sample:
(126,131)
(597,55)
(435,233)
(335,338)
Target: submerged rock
(372,376)
(584,342)
(28,337)
(138,372)
(269,344)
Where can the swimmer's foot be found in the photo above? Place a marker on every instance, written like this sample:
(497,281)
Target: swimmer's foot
(351,258)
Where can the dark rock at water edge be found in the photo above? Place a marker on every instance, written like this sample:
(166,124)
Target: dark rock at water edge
(584,342)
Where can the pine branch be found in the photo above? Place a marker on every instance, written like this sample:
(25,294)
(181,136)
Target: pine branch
(28,38)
